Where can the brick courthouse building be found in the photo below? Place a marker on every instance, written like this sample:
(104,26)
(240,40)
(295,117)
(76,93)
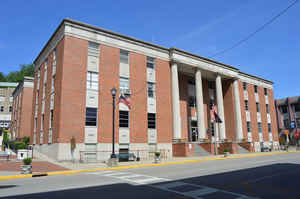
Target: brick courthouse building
(170,91)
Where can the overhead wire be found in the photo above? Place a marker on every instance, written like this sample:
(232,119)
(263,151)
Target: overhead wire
(256,31)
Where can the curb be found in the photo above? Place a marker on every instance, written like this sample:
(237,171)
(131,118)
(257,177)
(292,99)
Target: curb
(140,166)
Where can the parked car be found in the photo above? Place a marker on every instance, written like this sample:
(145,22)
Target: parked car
(125,157)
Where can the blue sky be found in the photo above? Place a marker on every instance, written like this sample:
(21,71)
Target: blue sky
(200,27)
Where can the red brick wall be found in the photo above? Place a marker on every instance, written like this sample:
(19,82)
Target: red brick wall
(184,106)
(109,78)
(229,110)
(72,107)
(138,85)
(33,106)
(163,102)
(25,123)
(273,115)
(182,150)
(253,113)
(206,105)
(243,110)
(58,90)
(263,114)
(40,97)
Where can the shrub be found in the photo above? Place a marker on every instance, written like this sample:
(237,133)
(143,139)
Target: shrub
(20,145)
(226,150)
(27,161)
(26,139)
(157,154)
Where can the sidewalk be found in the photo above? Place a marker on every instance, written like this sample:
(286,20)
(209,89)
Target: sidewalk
(13,167)
(177,160)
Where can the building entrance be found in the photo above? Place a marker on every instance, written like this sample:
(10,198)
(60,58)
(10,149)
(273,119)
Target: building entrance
(193,131)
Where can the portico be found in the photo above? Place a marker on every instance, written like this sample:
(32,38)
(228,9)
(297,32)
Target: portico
(197,84)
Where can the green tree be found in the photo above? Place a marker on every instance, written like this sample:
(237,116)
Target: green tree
(2,77)
(16,76)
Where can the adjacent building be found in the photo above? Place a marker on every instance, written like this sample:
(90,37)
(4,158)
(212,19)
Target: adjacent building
(6,101)
(21,119)
(288,115)
(171,95)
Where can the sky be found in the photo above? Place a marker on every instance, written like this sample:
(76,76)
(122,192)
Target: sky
(199,27)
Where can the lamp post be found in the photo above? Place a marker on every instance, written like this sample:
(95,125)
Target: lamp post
(113,93)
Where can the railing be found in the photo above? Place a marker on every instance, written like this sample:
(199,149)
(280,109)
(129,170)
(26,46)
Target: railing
(101,156)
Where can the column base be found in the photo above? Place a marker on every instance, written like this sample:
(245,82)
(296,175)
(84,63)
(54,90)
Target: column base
(179,140)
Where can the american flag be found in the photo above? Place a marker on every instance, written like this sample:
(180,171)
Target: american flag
(125,100)
(214,116)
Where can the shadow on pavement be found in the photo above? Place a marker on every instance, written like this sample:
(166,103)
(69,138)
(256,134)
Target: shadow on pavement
(276,181)
(7,186)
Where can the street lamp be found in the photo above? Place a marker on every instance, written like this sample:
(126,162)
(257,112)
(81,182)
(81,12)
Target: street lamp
(113,93)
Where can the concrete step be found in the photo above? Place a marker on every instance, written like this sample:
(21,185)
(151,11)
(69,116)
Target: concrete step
(199,151)
(242,150)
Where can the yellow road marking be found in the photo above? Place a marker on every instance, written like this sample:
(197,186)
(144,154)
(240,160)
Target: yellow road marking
(73,172)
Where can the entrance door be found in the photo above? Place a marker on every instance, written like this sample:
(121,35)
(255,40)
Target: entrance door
(193,131)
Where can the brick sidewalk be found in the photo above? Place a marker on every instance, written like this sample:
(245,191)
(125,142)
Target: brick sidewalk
(37,166)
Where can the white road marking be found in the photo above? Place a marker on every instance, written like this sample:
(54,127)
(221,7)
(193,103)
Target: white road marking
(139,179)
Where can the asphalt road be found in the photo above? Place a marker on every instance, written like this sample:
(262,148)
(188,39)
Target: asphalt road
(273,177)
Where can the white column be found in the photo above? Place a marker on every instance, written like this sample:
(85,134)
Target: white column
(175,102)
(239,130)
(200,108)
(220,103)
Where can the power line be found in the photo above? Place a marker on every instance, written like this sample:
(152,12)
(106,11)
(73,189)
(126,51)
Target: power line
(256,31)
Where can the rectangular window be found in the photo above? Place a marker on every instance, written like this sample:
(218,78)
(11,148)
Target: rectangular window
(244,86)
(51,119)
(259,127)
(151,120)
(269,128)
(10,109)
(212,128)
(297,107)
(266,91)
(124,119)
(298,122)
(248,127)
(246,105)
(192,101)
(255,88)
(2,108)
(191,82)
(211,103)
(257,107)
(267,108)
(42,122)
(91,117)
(284,109)
(211,84)
(93,49)
(92,80)
(286,123)
(151,62)
(2,92)
(124,83)
(124,57)
(54,62)
(151,89)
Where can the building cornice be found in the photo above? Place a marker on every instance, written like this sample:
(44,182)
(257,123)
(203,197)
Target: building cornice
(26,82)
(89,32)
